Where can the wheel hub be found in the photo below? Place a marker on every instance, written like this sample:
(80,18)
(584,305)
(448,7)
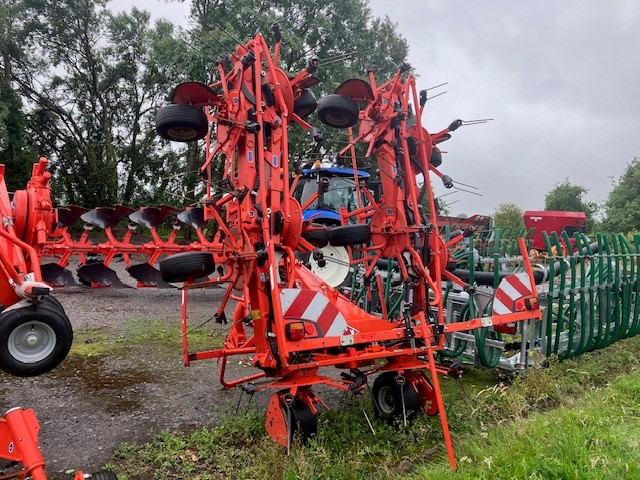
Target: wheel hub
(31,342)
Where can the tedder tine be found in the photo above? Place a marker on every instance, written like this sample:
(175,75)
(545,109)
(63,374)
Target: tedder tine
(57,276)
(148,276)
(99,275)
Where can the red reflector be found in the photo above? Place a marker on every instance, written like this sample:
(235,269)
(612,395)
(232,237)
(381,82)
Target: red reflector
(295,331)
(519,304)
(532,303)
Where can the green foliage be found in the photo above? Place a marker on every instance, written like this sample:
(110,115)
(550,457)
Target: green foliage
(94,80)
(15,151)
(568,197)
(575,419)
(508,216)
(622,207)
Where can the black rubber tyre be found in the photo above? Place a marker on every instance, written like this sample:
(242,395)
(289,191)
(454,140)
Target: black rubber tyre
(35,338)
(317,238)
(187,266)
(103,475)
(338,111)
(181,123)
(305,104)
(349,235)
(388,394)
(53,302)
(304,424)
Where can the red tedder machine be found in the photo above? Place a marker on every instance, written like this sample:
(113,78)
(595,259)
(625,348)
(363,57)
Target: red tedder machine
(291,322)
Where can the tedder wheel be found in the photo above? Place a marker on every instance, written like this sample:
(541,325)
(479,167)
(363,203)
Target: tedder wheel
(349,235)
(305,104)
(304,424)
(288,418)
(317,238)
(34,339)
(187,266)
(103,475)
(338,111)
(181,123)
(388,395)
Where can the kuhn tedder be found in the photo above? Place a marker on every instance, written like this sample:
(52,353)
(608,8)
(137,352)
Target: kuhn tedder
(291,321)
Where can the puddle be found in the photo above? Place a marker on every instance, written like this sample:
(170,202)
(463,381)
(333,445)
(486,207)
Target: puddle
(95,374)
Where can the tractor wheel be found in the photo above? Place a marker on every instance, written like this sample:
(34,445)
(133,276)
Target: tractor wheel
(349,235)
(35,339)
(338,111)
(103,475)
(305,104)
(317,238)
(304,424)
(335,270)
(187,266)
(388,397)
(181,123)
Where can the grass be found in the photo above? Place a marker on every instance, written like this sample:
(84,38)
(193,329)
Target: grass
(575,419)
(90,342)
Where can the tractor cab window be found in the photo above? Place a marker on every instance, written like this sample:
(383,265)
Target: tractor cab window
(341,192)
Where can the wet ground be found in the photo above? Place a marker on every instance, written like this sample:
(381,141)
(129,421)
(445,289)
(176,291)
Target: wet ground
(128,391)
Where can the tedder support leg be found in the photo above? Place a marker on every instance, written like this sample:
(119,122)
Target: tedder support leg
(443,415)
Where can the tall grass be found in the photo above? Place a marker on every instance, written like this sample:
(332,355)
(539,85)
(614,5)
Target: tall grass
(574,419)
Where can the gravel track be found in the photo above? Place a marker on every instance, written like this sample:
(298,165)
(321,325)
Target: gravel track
(88,406)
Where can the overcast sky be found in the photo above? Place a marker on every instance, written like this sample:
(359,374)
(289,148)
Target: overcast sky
(560,78)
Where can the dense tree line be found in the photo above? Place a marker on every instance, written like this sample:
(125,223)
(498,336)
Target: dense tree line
(81,85)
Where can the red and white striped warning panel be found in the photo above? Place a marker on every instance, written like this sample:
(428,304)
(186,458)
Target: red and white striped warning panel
(512,287)
(311,306)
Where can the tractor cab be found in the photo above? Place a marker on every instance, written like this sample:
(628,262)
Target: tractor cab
(333,188)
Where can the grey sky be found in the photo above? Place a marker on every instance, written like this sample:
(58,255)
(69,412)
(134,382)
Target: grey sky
(560,78)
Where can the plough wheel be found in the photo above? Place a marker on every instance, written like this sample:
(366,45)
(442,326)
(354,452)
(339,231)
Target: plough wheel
(188,265)
(338,111)
(35,338)
(181,123)
(287,421)
(388,395)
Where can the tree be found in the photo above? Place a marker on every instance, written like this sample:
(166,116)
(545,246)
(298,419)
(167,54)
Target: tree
(508,216)
(622,207)
(568,197)
(95,81)
(91,82)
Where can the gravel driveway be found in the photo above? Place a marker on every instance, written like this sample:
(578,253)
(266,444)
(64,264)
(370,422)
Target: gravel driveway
(92,403)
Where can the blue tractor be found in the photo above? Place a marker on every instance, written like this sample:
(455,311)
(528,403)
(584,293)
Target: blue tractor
(335,188)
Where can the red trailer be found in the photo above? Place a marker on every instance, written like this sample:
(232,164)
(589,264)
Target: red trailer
(553,221)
